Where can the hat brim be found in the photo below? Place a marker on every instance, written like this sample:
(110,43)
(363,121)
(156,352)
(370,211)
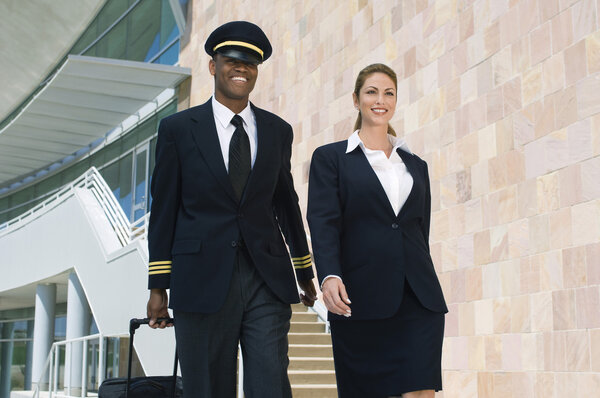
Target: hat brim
(232,52)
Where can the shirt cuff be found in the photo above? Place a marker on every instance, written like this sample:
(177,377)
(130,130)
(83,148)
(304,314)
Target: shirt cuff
(327,277)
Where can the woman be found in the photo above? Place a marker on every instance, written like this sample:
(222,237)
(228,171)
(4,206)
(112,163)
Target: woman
(369,207)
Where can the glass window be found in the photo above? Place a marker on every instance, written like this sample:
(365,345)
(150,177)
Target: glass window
(150,170)
(170,56)
(113,44)
(110,174)
(168,26)
(47,185)
(146,129)
(125,176)
(143,40)
(19,362)
(110,13)
(90,34)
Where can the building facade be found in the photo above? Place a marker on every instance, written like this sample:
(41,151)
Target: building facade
(500,97)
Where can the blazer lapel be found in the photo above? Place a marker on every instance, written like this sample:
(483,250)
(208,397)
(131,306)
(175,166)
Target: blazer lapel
(263,138)
(204,133)
(411,166)
(374,182)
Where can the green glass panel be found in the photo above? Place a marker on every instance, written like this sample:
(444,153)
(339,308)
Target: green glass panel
(47,185)
(112,151)
(125,176)
(113,45)
(90,34)
(146,129)
(143,40)
(98,159)
(110,174)
(129,141)
(3,204)
(166,111)
(168,26)
(111,11)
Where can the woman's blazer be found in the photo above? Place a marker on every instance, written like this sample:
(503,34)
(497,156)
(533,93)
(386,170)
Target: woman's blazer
(356,235)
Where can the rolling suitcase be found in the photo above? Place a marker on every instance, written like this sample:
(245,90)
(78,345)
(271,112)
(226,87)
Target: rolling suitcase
(142,387)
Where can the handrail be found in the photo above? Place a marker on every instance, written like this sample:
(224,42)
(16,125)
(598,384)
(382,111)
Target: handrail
(52,363)
(92,181)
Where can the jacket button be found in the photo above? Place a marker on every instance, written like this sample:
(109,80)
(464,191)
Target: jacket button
(240,215)
(233,244)
(395,226)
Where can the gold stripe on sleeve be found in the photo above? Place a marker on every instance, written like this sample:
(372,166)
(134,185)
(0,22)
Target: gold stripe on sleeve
(157,267)
(302,266)
(296,259)
(161,262)
(307,261)
(167,271)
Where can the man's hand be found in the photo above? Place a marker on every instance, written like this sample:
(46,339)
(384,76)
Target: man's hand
(157,308)
(310,293)
(335,297)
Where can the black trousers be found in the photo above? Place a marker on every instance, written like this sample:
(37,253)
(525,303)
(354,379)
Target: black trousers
(207,344)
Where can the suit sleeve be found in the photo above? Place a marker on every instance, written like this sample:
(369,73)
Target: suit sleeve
(325,214)
(289,217)
(426,206)
(165,189)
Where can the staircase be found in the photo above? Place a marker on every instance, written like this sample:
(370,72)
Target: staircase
(311,369)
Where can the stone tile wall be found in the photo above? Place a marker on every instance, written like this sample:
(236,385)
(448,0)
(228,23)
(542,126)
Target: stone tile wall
(502,98)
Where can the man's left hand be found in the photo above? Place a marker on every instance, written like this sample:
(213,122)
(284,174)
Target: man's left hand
(309,296)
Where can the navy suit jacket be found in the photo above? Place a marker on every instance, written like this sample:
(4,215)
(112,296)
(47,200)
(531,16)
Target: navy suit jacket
(357,236)
(197,224)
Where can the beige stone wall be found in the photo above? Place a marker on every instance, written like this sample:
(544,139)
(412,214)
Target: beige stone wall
(502,98)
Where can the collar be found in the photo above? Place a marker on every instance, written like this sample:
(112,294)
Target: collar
(224,115)
(354,141)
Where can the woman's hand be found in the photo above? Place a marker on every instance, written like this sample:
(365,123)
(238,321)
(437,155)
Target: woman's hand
(335,297)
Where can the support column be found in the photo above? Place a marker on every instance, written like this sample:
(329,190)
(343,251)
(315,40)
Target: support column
(6,362)
(43,332)
(78,325)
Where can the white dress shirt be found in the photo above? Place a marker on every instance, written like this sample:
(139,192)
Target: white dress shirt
(391,172)
(225,129)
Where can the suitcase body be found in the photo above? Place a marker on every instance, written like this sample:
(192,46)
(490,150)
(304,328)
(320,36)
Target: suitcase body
(142,387)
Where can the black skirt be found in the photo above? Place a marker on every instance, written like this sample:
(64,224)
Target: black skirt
(388,357)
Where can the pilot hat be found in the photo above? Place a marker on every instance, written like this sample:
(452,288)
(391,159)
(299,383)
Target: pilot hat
(240,40)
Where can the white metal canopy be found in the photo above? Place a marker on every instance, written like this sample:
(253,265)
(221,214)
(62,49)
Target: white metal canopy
(83,101)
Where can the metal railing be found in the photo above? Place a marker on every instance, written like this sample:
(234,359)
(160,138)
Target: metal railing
(52,366)
(92,181)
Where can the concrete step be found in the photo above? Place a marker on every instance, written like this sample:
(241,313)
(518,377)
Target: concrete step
(314,391)
(311,363)
(312,376)
(309,338)
(304,317)
(307,327)
(299,308)
(310,350)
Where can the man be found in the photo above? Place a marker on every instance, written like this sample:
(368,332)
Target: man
(222,194)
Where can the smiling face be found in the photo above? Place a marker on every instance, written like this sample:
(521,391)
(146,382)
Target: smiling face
(234,80)
(376,100)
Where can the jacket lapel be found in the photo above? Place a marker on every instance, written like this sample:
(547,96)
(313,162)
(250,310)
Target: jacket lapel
(263,138)
(411,166)
(204,133)
(366,167)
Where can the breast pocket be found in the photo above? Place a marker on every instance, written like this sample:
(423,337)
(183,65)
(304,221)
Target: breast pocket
(186,247)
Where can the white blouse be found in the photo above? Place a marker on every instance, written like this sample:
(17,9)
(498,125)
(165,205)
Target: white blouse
(392,173)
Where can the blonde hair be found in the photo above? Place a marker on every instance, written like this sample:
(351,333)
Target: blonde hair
(360,81)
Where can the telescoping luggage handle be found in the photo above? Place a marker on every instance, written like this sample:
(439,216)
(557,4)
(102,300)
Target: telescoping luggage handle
(134,324)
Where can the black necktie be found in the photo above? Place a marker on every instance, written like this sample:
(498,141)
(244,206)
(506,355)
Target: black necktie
(239,157)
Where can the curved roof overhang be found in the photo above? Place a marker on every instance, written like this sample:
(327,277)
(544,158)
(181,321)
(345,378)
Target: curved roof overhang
(85,99)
